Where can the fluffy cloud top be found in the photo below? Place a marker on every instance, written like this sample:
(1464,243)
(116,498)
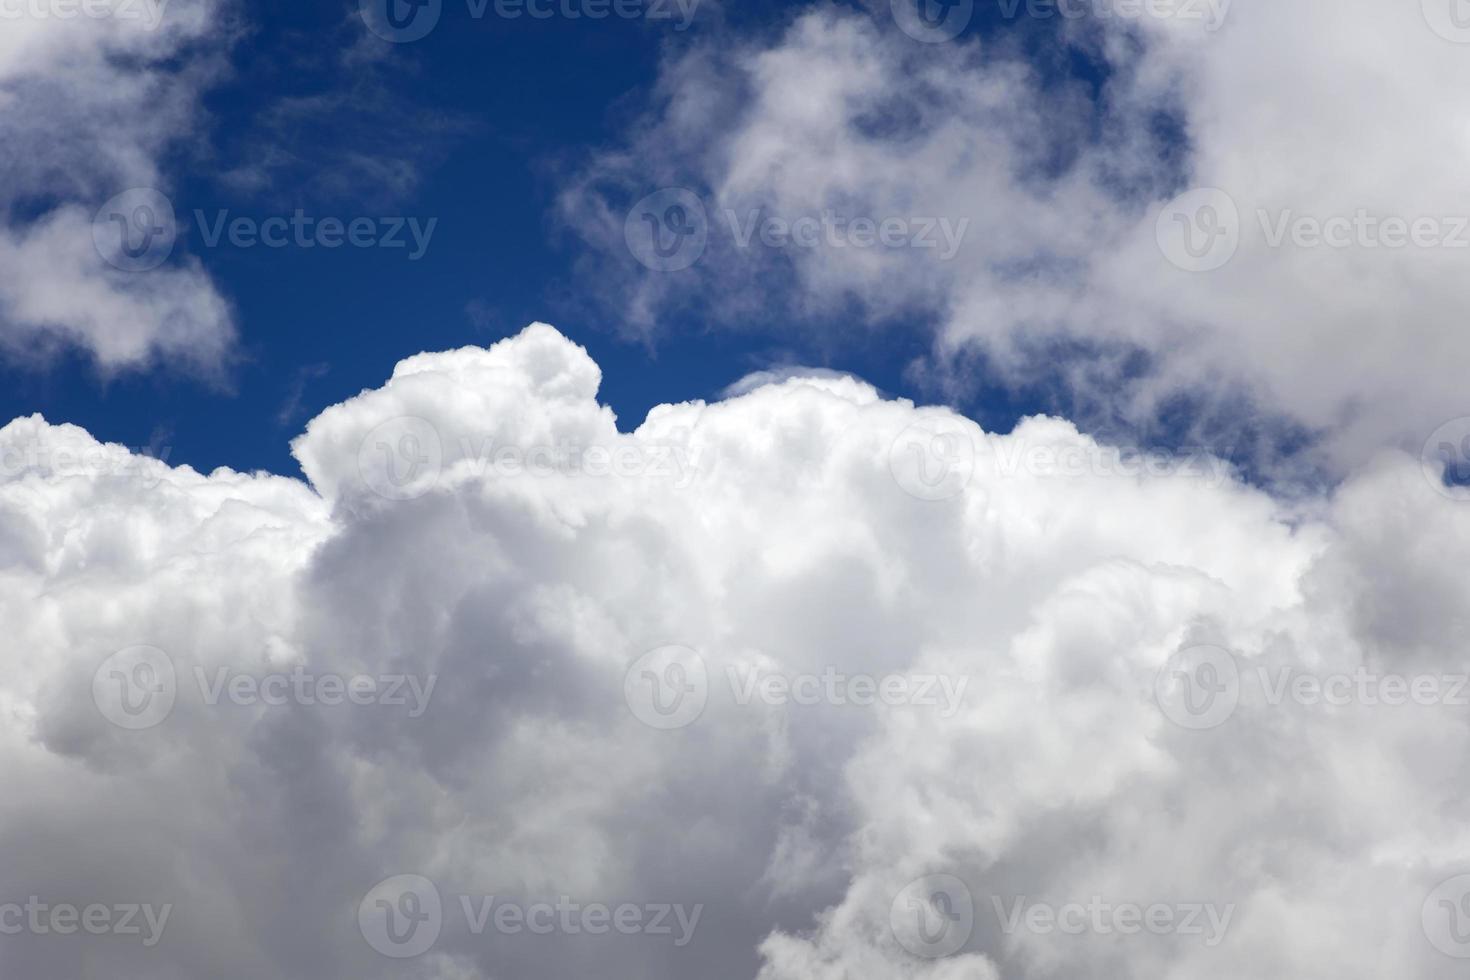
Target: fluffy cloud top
(480,527)
(1303,118)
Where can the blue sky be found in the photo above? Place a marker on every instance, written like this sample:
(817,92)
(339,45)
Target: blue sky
(488,115)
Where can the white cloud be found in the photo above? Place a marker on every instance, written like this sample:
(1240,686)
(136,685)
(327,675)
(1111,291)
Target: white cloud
(793,546)
(1293,111)
(92,95)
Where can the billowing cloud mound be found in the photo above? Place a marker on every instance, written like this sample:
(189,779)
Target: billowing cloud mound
(93,94)
(1327,237)
(800,684)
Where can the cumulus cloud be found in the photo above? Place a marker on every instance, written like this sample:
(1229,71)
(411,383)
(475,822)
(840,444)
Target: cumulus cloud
(628,672)
(1057,185)
(92,97)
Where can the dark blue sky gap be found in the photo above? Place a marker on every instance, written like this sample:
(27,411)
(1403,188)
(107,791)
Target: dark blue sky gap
(492,112)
